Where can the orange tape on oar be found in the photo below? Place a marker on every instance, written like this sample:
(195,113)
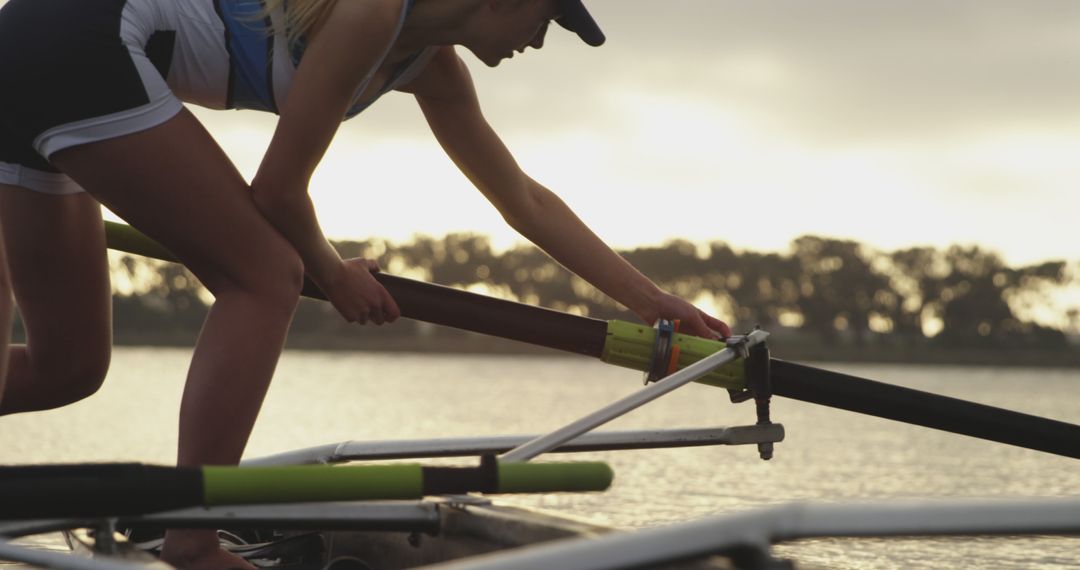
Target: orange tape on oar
(664,359)
(673,362)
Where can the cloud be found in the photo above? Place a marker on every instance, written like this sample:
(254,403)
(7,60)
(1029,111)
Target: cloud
(843,72)
(890,122)
(848,71)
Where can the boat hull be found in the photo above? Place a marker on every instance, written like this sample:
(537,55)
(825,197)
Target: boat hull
(468,531)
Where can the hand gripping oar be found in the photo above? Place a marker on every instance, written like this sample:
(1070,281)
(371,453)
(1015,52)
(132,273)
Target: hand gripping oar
(632,345)
(76,491)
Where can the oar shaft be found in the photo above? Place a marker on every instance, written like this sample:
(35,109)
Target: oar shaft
(497,317)
(440,305)
(65,491)
(864,396)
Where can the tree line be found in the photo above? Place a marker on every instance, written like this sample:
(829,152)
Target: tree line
(837,292)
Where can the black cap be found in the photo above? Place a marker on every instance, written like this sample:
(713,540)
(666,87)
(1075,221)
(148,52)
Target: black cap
(577,19)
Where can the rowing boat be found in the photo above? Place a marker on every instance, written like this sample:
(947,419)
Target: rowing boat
(454,527)
(385,535)
(472,533)
(366,534)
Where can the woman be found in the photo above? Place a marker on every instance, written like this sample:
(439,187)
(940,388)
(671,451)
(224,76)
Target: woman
(90,113)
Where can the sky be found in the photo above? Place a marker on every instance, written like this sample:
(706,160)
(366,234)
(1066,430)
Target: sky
(893,123)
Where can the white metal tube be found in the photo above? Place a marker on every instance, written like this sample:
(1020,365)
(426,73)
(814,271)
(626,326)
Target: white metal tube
(761,527)
(364,515)
(651,392)
(472,446)
(52,559)
(321,454)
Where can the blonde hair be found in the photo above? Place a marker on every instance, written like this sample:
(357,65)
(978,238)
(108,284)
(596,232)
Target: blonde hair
(300,15)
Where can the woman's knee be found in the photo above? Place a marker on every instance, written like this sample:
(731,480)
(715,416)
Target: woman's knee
(75,375)
(88,373)
(273,280)
(280,277)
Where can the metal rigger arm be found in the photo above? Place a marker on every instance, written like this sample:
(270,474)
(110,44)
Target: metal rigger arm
(737,347)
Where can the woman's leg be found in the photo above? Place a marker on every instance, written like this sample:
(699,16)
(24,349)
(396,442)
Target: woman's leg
(6,305)
(174,183)
(56,255)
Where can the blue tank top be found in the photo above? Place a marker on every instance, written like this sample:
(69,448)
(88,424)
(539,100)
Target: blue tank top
(261,65)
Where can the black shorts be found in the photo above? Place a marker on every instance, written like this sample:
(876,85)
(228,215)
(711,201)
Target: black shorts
(74,72)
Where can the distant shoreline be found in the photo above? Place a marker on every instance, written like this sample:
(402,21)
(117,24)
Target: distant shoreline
(788,349)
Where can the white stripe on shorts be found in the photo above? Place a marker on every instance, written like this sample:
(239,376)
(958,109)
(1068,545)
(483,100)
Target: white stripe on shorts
(108,126)
(44,182)
(135,27)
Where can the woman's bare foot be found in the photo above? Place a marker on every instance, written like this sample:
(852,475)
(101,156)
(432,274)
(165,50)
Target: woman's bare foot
(199,550)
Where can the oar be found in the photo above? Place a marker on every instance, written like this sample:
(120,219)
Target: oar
(836,390)
(632,345)
(74,491)
(616,342)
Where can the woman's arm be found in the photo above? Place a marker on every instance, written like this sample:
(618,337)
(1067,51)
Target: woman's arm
(322,90)
(448,99)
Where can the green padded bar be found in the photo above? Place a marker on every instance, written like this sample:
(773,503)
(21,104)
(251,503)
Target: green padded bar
(309,483)
(313,483)
(554,477)
(630,345)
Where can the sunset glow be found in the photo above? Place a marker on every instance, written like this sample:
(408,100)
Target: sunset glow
(749,138)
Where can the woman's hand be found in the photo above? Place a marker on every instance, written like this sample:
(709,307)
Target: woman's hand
(692,320)
(356,294)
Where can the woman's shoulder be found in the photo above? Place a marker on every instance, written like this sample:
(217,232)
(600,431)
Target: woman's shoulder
(366,13)
(357,27)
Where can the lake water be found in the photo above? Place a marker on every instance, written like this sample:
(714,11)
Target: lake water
(324,397)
